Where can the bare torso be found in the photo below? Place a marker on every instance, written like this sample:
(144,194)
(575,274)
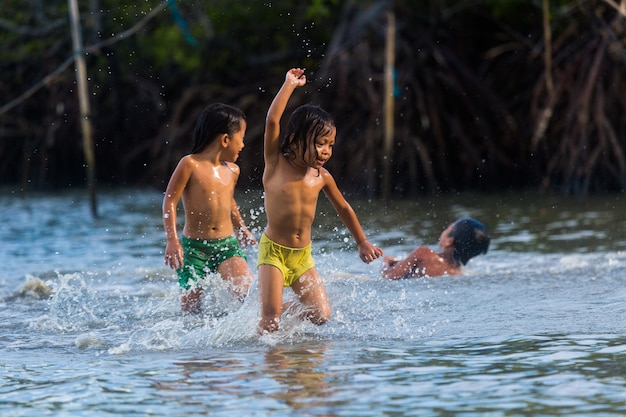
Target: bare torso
(291,194)
(207,199)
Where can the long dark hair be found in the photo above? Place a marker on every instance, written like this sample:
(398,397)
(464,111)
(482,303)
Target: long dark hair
(306,123)
(216,119)
(471,238)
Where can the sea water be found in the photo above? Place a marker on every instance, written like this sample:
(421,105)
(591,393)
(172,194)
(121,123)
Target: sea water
(90,320)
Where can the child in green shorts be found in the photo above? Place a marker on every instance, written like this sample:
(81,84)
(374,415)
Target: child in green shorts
(214,228)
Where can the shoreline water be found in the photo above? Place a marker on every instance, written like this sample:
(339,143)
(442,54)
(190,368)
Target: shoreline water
(91,321)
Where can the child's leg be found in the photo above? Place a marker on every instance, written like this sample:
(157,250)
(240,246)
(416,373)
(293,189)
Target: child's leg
(312,294)
(191,301)
(235,270)
(271,293)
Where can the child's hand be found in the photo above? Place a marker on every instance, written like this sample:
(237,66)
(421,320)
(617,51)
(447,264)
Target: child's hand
(174,255)
(368,252)
(296,76)
(245,237)
(389,261)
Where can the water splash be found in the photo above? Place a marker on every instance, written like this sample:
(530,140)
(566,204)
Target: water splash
(73,306)
(32,287)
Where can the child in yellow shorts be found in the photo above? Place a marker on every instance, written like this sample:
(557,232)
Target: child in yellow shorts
(292,180)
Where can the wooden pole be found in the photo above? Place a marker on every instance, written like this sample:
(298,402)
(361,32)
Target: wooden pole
(547,51)
(546,114)
(388,104)
(83,100)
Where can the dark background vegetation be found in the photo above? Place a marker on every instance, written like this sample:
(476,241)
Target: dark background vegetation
(477,104)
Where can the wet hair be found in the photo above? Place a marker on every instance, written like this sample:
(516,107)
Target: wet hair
(471,238)
(216,119)
(306,123)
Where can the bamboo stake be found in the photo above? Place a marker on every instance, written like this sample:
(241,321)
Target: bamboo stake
(621,8)
(83,99)
(547,34)
(546,114)
(388,104)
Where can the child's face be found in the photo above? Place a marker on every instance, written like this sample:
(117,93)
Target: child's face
(321,151)
(235,144)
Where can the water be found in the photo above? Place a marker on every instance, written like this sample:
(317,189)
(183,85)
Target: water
(90,321)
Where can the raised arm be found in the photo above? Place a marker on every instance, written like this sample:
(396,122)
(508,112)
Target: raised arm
(367,251)
(295,78)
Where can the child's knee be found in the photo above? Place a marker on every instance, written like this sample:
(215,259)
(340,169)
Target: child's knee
(191,301)
(240,287)
(319,320)
(269,323)
(321,316)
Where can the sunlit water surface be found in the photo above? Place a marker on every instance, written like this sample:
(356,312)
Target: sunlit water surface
(90,322)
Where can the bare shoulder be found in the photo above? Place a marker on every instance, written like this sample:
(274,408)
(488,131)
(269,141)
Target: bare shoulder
(184,167)
(274,165)
(233,167)
(425,252)
(185,160)
(188,161)
(273,161)
(423,255)
(327,177)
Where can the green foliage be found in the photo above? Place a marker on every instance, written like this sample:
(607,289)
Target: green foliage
(252,33)
(468,72)
(321,9)
(167,46)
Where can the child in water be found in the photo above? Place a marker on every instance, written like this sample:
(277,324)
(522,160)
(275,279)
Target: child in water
(459,242)
(292,179)
(205,179)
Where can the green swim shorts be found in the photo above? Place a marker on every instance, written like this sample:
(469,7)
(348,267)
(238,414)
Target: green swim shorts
(204,256)
(292,262)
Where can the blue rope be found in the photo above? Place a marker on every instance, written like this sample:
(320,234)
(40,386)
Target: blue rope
(178,18)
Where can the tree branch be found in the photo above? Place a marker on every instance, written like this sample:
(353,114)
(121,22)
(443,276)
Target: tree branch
(48,79)
(621,8)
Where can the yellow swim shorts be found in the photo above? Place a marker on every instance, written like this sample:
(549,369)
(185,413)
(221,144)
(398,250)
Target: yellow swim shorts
(292,262)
